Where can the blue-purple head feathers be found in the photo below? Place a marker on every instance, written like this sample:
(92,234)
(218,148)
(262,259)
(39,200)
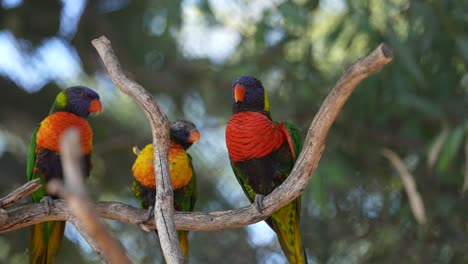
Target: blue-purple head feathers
(77,100)
(254,98)
(184,132)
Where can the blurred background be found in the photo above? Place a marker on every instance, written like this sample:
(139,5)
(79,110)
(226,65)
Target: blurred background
(355,209)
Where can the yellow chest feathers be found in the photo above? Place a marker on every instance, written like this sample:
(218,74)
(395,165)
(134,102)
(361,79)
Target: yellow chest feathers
(179,167)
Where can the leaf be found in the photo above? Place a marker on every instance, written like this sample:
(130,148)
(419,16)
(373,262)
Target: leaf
(462,45)
(293,14)
(436,147)
(450,148)
(422,105)
(415,199)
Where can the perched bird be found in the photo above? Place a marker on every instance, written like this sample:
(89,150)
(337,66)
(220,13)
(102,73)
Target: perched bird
(70,109)
(262,154)
(182,135)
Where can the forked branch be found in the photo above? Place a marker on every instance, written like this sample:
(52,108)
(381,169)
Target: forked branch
(164,205)
(286,192)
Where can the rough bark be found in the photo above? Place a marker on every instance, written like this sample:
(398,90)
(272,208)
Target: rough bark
(290,189)
(164,205)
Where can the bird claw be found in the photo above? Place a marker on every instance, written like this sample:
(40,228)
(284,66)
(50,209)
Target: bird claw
(143,224)
(47,200)
(150,213)
(259,202)
(144,227)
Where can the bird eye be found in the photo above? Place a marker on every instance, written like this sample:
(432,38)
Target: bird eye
(83,95)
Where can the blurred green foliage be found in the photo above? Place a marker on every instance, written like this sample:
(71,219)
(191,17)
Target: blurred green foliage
(355,209)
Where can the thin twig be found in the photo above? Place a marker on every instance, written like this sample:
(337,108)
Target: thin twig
(416,202)
(164,205)
(20,193)
(465,181)
(77,199)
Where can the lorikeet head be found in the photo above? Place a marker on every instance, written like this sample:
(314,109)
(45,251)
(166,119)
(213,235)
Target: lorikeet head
(248,95)
(184,133)
(78,100)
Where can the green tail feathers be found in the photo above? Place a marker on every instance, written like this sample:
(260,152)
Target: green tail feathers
(183,239)
(285,223)
(45,242)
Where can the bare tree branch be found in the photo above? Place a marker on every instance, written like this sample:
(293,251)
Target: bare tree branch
(465,181)
(31,214)
(313,146)
(286,192)
(164,205)
(20,193)
(416,202)
(74,192)
(3,216)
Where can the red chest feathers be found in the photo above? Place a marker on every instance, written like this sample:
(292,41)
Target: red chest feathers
(252,135)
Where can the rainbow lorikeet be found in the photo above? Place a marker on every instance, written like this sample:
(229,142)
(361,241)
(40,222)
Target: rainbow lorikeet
(262,154)
(182,135)
(70,109)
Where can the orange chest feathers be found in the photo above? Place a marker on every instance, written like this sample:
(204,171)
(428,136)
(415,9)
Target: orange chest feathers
(179,167)
(52,127)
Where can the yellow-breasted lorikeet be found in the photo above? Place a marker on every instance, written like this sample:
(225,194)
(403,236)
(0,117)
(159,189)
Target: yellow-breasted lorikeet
(182,135)
(70,109)
(262,154)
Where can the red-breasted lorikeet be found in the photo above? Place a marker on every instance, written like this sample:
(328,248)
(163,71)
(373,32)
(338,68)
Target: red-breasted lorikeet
(70,109)
(182,135)
(262,154)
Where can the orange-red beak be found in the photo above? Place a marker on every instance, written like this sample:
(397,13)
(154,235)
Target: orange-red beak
(95,106)
(239,93)
(194,136)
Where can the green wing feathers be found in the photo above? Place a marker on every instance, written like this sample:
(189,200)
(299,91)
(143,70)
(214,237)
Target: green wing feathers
(286,221)
(192,186)
(185,197)
(32,156)
(294,139)
(136,187)
(46,237)
(184,200)
(243,182)
(37,195)
(43,248)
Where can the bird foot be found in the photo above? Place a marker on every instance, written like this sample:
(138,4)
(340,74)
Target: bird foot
(144,227)
(150,214)
(47,200)
(259,202)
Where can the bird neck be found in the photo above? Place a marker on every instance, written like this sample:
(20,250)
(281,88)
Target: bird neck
(240,107)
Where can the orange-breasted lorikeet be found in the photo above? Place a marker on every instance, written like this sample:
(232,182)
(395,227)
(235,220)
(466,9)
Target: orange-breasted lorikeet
(262,154)
(182,135)
(70,109)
